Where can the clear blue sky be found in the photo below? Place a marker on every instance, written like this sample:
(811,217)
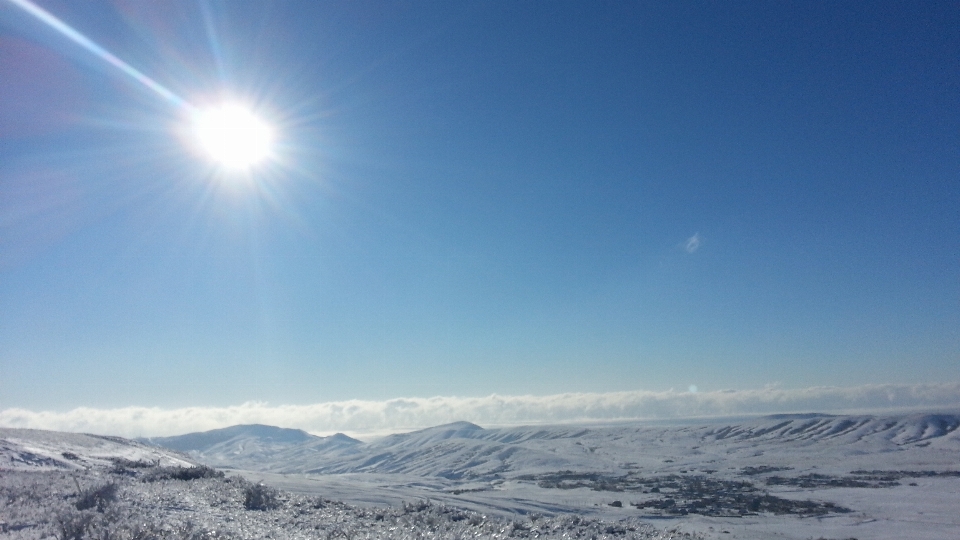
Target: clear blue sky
(480,197)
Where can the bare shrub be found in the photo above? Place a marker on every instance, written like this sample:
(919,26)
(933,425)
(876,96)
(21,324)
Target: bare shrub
(260,497)
(98,497)
(183,473)
(73,526)
(134,464)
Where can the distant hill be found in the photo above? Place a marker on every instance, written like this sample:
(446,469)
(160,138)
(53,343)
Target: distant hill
(464,451)
(254,446)
(205,440)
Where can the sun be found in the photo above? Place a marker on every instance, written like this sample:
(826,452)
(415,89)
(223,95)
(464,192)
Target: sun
(232,136)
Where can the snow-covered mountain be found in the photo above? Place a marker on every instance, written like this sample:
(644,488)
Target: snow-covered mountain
(235,436)
(256,446)
(464,451)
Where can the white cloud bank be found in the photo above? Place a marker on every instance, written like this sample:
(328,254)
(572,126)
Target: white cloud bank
(371,418)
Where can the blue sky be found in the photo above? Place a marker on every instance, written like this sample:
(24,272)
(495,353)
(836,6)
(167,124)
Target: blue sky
(513,198)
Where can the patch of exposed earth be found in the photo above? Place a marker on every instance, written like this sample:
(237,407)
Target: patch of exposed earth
(701,494)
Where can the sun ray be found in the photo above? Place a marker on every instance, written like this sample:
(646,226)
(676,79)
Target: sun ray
(69,32)
(228,133)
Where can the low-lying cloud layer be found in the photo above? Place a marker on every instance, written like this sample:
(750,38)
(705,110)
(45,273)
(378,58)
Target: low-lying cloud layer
(371,418)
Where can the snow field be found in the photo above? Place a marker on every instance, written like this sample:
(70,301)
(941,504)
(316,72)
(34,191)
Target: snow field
(43,505)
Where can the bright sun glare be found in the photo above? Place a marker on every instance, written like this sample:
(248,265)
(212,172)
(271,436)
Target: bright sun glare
(232,136)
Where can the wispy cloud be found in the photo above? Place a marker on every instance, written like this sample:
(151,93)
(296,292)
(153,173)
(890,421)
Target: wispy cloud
(692,244)
(370,418)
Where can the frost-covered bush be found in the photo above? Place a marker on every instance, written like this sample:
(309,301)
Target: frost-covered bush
(73,526)
(134,464)
(260,497)
(182,473)
(131,467)
(417,506)
(98,497)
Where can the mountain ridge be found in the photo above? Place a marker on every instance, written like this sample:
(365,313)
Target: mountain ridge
(253,446)
(203,439)
(462,450)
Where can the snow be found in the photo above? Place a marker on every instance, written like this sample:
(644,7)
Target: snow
(466,466)
(784,476)
(30,449)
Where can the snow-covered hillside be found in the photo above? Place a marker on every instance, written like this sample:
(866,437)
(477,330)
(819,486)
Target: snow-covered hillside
(464,451)
(800,475)
(111,488)
(34,450)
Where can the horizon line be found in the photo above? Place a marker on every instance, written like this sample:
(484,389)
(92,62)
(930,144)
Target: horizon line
(372,418)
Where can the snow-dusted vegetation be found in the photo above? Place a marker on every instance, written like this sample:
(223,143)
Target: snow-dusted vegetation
(152,502)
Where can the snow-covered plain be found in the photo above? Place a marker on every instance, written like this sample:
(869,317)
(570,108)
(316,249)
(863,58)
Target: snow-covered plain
(786,476)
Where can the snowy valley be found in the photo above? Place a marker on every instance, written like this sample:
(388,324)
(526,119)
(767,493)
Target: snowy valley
(783,476)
